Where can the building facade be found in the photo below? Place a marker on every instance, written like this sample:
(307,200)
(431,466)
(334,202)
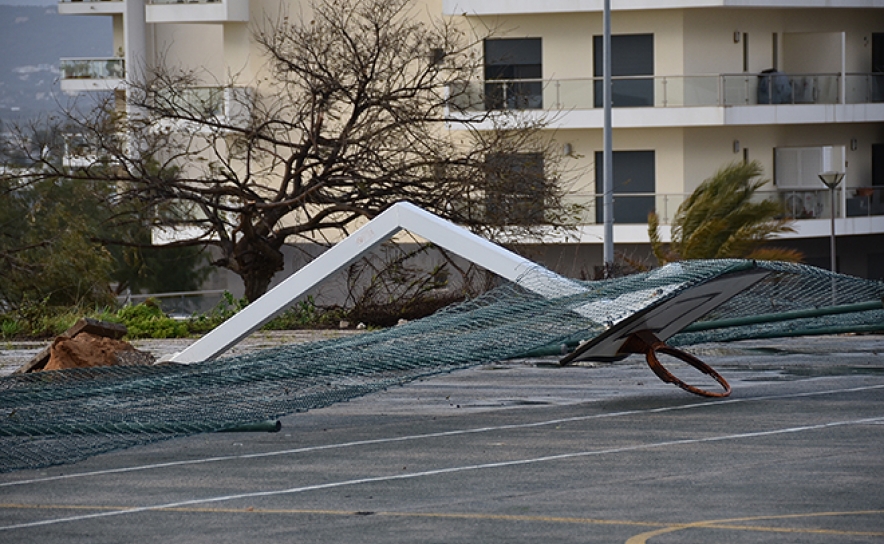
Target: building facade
(697,84)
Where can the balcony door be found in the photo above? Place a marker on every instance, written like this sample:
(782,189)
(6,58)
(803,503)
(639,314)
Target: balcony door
(634,186)
(513,72)
(632,56)
(515,189)
(878,67)
(878,165)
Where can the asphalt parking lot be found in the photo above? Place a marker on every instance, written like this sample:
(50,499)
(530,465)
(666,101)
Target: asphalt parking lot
(520,451)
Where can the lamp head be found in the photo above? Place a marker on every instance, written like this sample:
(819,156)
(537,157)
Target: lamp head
(831,179)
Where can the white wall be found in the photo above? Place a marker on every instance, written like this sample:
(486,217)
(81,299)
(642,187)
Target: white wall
(192,47)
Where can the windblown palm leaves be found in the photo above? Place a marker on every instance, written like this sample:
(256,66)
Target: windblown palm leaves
(724,219)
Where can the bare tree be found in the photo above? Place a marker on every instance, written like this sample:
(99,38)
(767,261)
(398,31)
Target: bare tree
(355,116)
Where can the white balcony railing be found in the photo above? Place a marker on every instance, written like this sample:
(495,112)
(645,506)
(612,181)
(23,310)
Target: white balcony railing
(719,90)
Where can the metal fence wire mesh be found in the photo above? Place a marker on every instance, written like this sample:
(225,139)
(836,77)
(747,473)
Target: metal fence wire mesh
(62,416)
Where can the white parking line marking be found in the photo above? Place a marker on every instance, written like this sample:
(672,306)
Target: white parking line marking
(442,434)
(449,470)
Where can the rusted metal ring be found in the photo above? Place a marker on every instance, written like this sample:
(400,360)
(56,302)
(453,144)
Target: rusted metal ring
(666,376)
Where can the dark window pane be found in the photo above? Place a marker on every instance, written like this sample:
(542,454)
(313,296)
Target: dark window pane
(515,189)
(634,172)
(513,51)
(878,167)
(518,60)
(632,93)
(878,52)
(878,67)
(518,95)
(631,55)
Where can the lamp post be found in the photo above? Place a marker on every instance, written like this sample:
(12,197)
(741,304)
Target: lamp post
(831,180)
(607,151)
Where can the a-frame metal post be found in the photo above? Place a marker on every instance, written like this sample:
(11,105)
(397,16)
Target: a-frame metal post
(400,216)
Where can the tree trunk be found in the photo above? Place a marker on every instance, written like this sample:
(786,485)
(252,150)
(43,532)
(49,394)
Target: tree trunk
(257,270)
(256,282)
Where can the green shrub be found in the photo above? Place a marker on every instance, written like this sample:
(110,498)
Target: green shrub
(306,314)
(147,320)
(226,308)
(10,328)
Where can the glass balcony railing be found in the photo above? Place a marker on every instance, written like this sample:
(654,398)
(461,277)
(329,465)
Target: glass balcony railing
(799,204)
(184,1)
(720,90)
(630,208)
(209,104)
(864,88)
(864,201)
(101,68)
(817,203)
(779,88)
(205,102)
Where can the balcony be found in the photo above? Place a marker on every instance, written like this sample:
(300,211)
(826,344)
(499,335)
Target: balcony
(197,11)
(78,153)
(528,7)
(91,7)
(199,109)
(858,211)
(720,90)
(717,99)
(798,204)
(849,202)
(95,74)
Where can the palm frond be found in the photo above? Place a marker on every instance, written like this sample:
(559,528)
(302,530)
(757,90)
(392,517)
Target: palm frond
(723,218)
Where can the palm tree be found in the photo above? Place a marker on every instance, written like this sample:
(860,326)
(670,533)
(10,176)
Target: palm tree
(722,220)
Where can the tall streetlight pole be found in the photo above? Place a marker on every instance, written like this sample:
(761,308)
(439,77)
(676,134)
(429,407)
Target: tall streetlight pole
(831,180)
(607,153)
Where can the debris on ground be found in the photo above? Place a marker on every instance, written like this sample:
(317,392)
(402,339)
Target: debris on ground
(88,343)
(88,350)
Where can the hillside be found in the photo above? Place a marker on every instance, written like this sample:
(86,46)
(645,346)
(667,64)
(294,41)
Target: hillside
(32,40)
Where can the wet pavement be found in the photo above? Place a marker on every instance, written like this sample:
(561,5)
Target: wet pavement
(518,451)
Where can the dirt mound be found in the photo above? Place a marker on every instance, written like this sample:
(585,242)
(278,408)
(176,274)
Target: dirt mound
(88,350)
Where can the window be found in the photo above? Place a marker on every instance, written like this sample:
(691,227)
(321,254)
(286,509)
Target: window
(877,67)
(878,166)
(631,55)
(633,173)
(513,72)
(515,189)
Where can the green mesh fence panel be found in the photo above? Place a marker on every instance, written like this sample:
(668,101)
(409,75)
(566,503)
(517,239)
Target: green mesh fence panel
(62,416)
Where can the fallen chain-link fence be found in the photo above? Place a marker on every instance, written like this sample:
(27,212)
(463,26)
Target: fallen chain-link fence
(62,416)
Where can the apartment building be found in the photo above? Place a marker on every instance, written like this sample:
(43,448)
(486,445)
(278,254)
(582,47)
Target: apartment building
(697,84)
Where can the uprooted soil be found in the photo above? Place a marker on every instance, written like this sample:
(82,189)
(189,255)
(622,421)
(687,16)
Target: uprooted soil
(87,350)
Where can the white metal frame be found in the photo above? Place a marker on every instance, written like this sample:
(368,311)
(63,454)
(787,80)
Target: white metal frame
(400,216)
